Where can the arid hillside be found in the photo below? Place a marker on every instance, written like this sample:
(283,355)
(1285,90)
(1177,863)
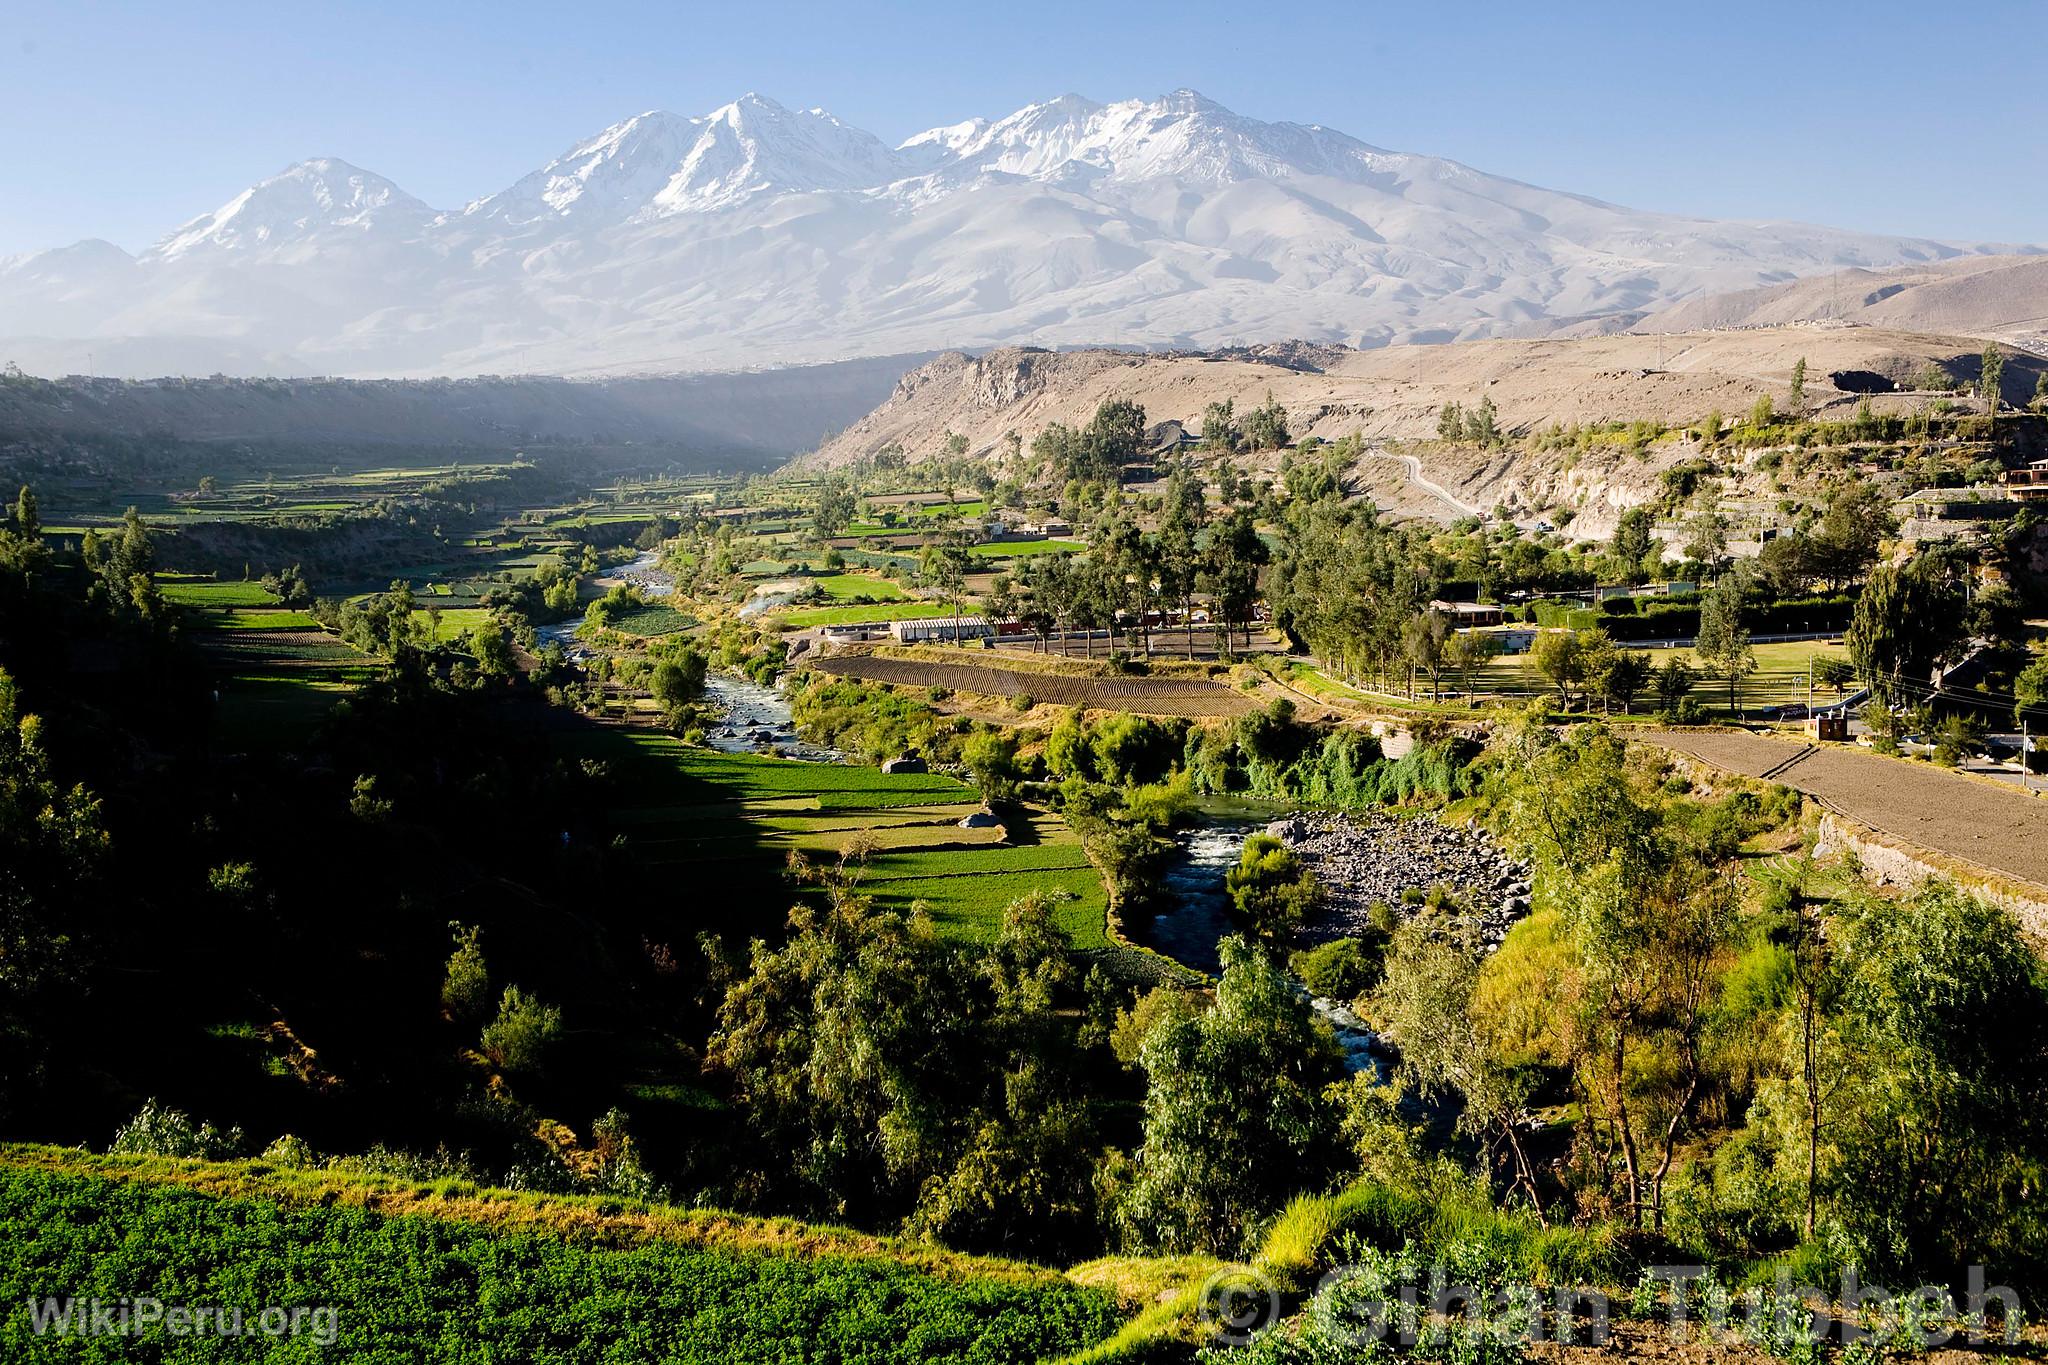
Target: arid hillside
(1393,396)
(1395,393)
(2004,297)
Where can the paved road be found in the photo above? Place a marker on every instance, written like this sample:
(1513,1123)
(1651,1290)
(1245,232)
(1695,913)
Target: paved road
(1914,803)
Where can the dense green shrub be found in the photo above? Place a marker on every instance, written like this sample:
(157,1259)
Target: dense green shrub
(1342,969)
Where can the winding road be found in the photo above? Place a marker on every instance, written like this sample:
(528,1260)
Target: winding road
(1431,486)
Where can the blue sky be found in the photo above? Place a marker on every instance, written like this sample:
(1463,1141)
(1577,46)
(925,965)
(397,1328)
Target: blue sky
(124,119)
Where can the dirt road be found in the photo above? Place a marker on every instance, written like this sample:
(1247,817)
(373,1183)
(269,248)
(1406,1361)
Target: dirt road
(1147,696)
(1916,804)
(1430,486)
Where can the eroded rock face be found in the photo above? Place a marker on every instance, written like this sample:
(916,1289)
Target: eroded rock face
(1362,859)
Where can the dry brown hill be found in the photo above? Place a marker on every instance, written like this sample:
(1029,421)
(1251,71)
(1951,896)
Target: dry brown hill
(1394,394)
(2002,297)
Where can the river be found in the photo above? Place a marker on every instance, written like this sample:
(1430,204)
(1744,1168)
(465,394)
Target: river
(1199,916)
(756,719)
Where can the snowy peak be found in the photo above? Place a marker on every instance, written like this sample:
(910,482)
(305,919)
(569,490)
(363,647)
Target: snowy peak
(602,178)
(761,234)
(1183,135)
(323,197)
(754,146)
(657,164)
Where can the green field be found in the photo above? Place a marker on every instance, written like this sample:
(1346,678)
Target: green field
(1017,549)
(803,618)
(450,1272)
(732,820)
(198,593)
(1779,677)
(238,618)
(653,618)
(274,711)
(454,622)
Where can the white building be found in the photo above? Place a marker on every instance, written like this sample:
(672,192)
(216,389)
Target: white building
(941,630)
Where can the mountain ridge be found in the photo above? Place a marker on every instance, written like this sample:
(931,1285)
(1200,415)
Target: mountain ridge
(760,234)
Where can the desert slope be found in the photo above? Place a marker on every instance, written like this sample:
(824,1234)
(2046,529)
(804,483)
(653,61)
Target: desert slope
(757,418)
(2004,297)
(1396,392)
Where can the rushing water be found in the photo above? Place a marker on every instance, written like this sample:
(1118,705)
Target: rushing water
(756,719)
(1199,915)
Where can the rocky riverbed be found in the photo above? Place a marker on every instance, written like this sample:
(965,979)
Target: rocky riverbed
(1364,859)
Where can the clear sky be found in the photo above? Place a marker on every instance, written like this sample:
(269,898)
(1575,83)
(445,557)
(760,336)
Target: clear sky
(124,119)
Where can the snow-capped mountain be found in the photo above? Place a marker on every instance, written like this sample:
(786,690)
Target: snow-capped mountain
(309,203)
(761,235)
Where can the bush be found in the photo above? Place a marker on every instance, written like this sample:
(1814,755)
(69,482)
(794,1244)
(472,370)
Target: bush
(158,1130)
(524,1033)
(466,987)
(291,1154)
(1342,969)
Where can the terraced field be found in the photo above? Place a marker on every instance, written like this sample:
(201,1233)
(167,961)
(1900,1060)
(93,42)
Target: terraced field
(452,1272)
(855,587)
(1921,806)
(277,673)
(725,824)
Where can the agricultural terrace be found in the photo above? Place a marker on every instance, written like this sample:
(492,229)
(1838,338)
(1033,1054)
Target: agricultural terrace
(804,618)
(728,822)
(857,587)
(1024,549)
(277,672)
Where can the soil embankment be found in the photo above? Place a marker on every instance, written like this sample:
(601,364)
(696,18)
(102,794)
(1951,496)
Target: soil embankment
(1972,821)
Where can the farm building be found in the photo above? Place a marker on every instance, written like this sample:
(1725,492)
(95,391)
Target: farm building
(941,630)
(1469,614)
